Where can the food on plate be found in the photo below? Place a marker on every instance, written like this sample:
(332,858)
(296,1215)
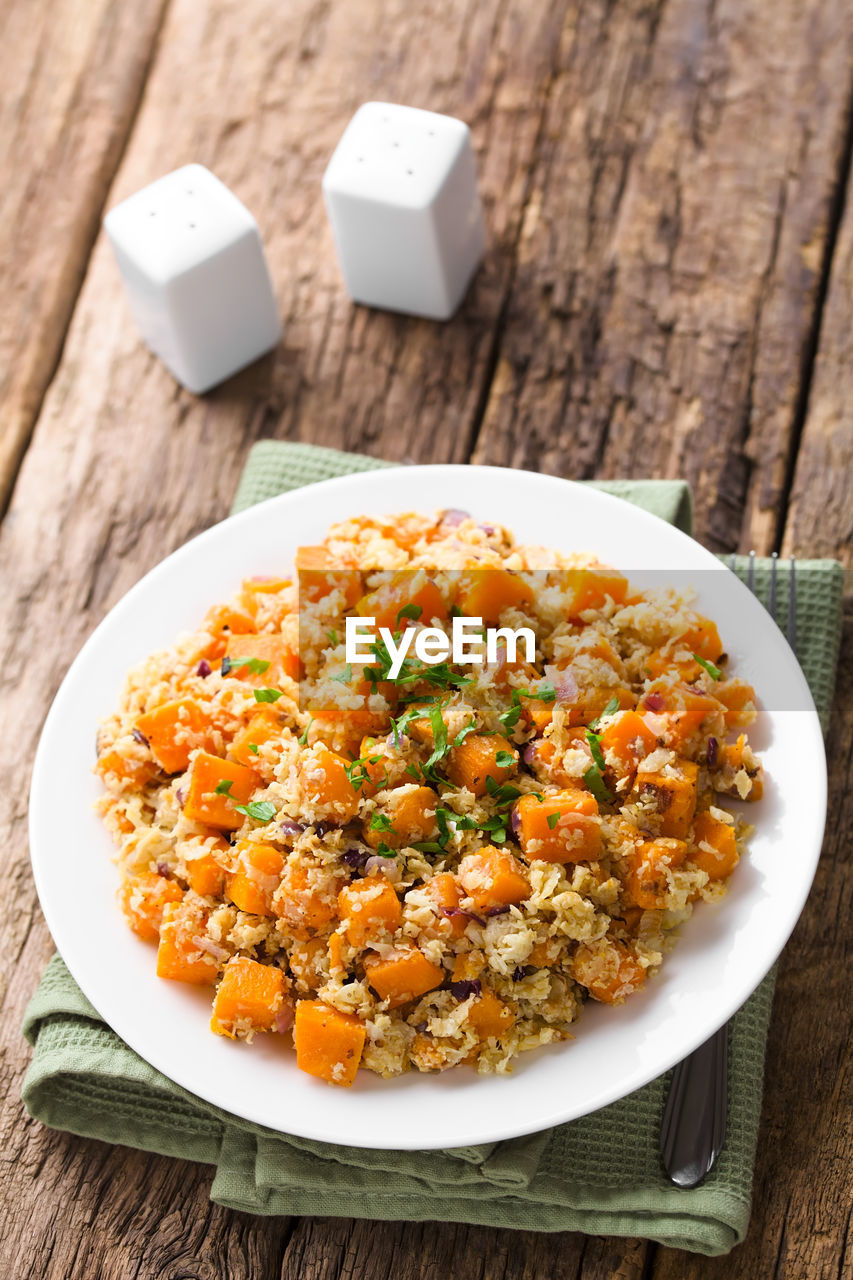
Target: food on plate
(414,862)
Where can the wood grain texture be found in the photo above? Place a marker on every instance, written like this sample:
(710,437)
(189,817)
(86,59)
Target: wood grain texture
(72,75)
(658,183)
(671,252)
(820,515)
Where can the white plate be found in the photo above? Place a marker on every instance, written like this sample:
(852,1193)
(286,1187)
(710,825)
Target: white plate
(725,950)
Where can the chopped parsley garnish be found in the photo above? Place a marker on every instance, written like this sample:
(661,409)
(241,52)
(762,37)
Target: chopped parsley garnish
(303,737)
(333,637)
(440,746)
(381,822)
(504,793)
(412,771)
(257,666)
(358,772)
(509,718)
(345,676)
(595,782)
(400,724)
(223,788)
(412,611)
(268,695)
(611,708)
(385,851)
(260,810)
(253,747)
(714,672)
(504,759)
(594,741)
(464,731)
(441,675)
(428,846)
(553,819)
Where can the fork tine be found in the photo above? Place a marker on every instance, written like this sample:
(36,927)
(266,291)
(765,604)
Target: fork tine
(771,595)
(733,562)
(750,573)
(791,627)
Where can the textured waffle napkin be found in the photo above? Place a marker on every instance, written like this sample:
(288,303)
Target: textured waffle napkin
(600,1174)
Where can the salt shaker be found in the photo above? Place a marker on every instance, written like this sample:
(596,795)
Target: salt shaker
(401,194)
(193,265)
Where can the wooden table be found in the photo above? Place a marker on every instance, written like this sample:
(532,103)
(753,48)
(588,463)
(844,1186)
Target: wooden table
(667,293)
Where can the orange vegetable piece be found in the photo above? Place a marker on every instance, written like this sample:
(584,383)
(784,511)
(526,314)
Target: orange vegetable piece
(174,730)
(124,773)
(443,892)
(562,827)
(326,784)
(254,587)
(328,1044)
(369,907)
(374,767)
(738,756)
(489,1016)
(266,647)
(406,587)
(486,593)
(475,760)
(205,873)
(179,956)
(403,976)
(590,588)
(647,885)
(467,965)
(204,804)
(318,576)
(626,741)
(248,998)
(493,878)
(143,899)
(684,709)
(411,813)
(592,701)
(546,765)
(545,953)
(307,902)
(610,971)
(252,885)
(713,846)
(669,801)
(264,726)
(738,698)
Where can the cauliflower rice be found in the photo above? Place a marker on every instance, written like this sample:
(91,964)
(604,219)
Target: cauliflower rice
(437,869)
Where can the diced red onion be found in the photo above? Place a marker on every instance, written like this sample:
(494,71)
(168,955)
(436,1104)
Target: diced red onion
(713,748)
(284,1018)
(531,751)
(515,821)
(388,866)
(564,682)
(468,987)
(420,1026)
(139,736)
(179,796)
(654,701)
(488,529)
(355,857)
(453,517)
(163,869)
(212,948)
(497,911)
(456,913)
(288,827)
(518,973)
(322,828)
(204,668)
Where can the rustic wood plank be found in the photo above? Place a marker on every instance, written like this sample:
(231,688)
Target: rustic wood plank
(72,76)
(671,250)
(820,516)
(123,466)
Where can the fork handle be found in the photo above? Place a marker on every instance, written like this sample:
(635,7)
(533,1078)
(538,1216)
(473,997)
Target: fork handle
(694,1118)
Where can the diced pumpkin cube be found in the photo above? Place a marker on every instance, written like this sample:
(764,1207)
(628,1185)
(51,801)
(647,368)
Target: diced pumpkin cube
(264,727)
(739,772)
(369,908)
(206,873)
(486,593)
(591,702)
(541,755)
(307,899)
(545,953)
(492,878)
(680,711)
(668,800)
(203,803)
(125,772)
(476,759)
(408,588)
(625,741)
(328,1044)
(254,589)
(443,892)
(310,962)
(403,976)
(257,877)
(468,965)
(609,970)
(224,619)
(372,774)
(647,883)
(405,818)
(143,899)
(326,786)
(489,1016)
(250,997)
(265,647)
(713,846)
(174,730)
(738,698)
(590,589)
(562,827)
(318,576)
(179,956)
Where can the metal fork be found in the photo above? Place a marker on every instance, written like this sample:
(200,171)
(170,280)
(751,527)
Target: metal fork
(694,1119)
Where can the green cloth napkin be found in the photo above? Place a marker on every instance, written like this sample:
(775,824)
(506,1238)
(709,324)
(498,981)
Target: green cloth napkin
(600,1174)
